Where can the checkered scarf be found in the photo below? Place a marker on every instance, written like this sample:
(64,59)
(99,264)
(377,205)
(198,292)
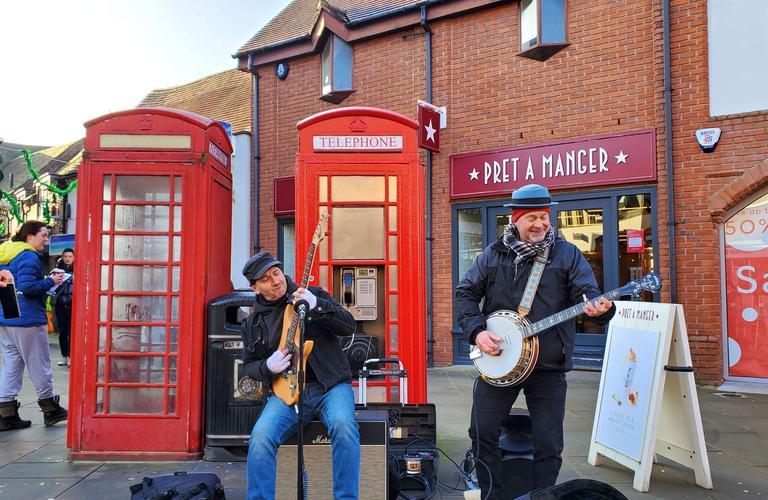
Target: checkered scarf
(525,250)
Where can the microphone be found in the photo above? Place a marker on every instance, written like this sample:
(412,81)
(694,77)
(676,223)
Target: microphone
(302,306)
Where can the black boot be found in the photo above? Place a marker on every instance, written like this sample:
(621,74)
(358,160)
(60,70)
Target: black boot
(9,417)
(52,411)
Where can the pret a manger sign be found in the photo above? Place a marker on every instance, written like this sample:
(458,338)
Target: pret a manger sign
(591,161)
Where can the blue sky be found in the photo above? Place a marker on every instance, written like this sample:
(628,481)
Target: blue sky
(65,62)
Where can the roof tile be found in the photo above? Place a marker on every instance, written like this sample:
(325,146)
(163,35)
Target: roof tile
(225,96)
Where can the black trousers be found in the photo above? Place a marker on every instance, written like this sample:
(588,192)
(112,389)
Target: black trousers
(64,323)
(545,397)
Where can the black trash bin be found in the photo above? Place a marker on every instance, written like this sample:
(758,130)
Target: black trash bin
(233,402)
(516,443)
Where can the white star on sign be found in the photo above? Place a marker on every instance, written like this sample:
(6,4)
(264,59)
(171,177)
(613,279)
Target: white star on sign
(473,174)
(430,131)
(621,158)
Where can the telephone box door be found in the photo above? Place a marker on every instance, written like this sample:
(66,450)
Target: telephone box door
(361,167)
(142,343)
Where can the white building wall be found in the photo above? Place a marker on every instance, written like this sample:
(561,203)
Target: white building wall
(241,207)
(738,44)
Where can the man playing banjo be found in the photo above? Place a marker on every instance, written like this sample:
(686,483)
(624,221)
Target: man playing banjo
(500,276)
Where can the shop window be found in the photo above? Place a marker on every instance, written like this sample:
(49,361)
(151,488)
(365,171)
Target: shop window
(336,70)
(286,245)
(542,28)
(470,242)
(635,239)
(746,287)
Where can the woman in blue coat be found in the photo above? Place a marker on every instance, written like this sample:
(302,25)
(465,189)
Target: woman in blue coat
(24,340)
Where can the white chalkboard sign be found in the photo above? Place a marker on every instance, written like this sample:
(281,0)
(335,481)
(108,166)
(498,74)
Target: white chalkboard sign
(647,401)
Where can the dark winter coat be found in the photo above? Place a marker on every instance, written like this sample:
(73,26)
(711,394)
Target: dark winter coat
(323,324)
(30,281)
(494,276)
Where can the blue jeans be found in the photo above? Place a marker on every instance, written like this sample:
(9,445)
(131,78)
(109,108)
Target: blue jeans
(277,422)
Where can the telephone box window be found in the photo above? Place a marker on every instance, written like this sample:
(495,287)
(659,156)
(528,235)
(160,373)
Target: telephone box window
(542,28)
(142,188)
(336,69)
(357,188)
(358,233)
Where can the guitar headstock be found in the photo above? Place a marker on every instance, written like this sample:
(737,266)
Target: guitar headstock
(651,282)
(321,229)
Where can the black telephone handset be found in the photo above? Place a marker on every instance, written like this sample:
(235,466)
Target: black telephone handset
(348,281)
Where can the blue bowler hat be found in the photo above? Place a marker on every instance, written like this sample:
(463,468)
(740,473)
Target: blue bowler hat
(531,196)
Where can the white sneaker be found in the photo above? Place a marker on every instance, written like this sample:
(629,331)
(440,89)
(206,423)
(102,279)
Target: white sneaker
(63,362)
(472,495)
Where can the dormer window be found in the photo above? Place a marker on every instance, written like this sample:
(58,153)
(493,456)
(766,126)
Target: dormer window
(542,28)
(336,70)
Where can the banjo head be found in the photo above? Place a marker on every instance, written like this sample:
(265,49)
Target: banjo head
(510,327)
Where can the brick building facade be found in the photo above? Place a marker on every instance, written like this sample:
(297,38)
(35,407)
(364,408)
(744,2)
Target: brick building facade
(603,82)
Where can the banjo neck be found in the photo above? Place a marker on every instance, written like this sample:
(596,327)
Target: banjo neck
(567,314)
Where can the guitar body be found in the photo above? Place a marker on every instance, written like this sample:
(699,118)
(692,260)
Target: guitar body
(286,384)
(518,354)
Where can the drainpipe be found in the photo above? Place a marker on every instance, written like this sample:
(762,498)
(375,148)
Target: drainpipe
(668,155)
(256,155)
(428,174)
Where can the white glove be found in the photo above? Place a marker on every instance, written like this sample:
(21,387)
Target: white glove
(305,294)
(278,361)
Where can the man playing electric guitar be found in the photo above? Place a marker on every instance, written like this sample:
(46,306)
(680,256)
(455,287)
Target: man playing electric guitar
(327,393)
(500,276)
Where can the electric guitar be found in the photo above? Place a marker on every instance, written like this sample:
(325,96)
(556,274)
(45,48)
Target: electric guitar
(519,344)
(286,384)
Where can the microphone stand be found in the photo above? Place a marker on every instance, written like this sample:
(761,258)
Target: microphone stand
(300,306)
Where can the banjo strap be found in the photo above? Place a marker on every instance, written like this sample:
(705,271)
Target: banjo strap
(533,283)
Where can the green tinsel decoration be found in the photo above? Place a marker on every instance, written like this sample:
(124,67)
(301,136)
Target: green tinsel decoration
(14,206)
(46,213)
(55,189)
(2,228)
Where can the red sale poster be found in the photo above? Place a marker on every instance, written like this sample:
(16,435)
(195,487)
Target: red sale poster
(746,276)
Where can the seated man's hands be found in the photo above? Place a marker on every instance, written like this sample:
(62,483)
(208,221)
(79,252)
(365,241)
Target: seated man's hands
(304,294)
(279,361)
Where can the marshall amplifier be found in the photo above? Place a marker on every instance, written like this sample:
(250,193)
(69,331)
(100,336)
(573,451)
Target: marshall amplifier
(374,432)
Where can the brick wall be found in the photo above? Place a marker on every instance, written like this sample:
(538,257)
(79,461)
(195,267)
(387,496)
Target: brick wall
(608,80)
(706,185)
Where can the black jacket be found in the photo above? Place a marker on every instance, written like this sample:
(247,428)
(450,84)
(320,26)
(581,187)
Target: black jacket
(494,276)
(326,321)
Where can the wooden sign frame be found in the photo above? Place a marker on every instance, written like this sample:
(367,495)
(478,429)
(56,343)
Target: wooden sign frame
(671,426)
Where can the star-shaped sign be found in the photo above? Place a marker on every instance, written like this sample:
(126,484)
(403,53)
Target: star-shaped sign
(430,131)
(473,174)
(621,158)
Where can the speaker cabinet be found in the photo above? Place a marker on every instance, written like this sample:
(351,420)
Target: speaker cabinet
(318,463)
(358,349)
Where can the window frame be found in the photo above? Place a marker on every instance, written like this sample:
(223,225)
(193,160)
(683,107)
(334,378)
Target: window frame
(335,95)
(542,51)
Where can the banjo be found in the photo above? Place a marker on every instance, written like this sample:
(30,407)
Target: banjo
(519,344)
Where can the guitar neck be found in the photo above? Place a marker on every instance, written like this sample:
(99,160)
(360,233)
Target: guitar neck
(291,334)
(567,314)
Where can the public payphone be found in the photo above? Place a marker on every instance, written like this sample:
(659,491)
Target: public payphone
(359,292)
(360,166)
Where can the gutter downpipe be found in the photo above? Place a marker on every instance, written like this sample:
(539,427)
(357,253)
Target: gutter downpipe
(671,223)
(256,155)
(428,174)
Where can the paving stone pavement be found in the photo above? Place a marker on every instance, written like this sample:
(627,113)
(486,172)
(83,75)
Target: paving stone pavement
(34,462)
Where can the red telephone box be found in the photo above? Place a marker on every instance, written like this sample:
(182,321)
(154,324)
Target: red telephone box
(153,232)
(361,166)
